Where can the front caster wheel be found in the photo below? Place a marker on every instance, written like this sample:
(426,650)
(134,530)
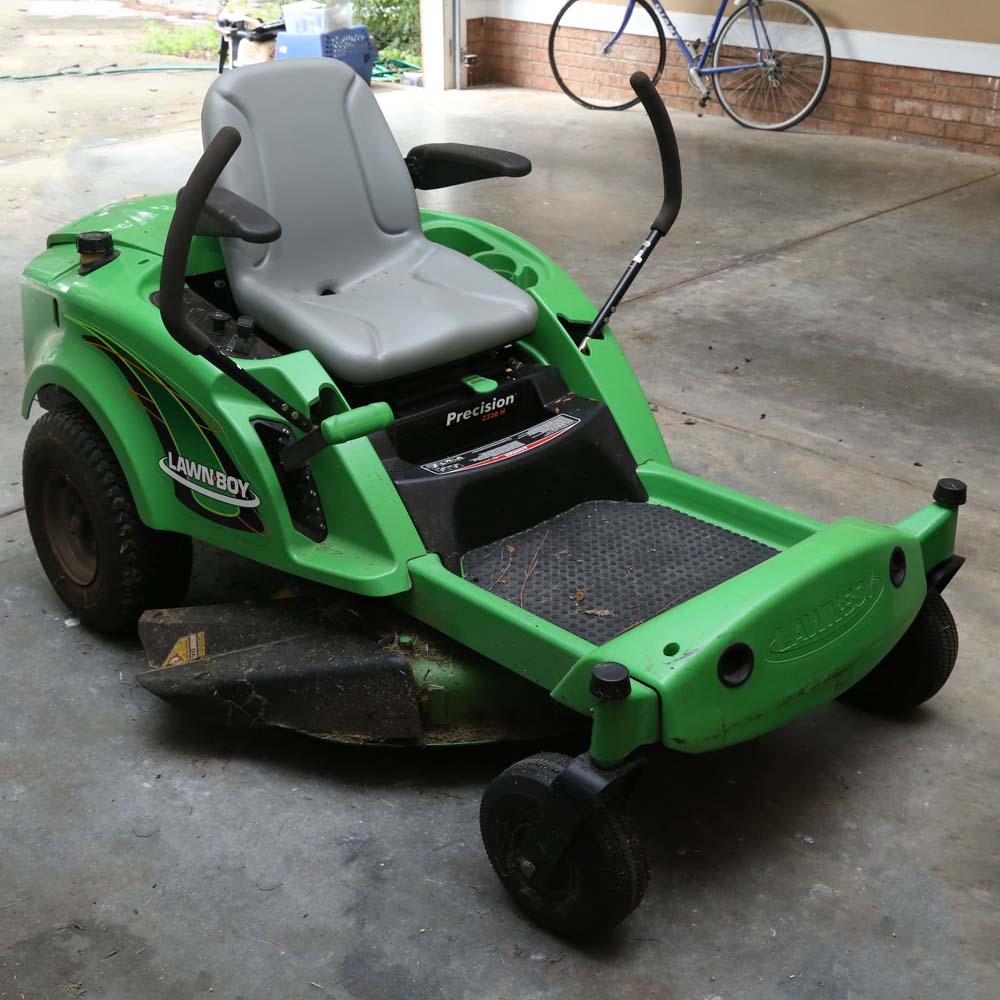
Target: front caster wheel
(916,668)
(603,872)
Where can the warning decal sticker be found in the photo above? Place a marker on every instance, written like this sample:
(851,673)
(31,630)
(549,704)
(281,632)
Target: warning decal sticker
(508,447)
(185,650)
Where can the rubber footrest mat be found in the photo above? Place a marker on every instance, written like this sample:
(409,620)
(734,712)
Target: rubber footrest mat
(607,565)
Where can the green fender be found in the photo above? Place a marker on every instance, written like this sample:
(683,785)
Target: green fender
(90,377)
(188,408)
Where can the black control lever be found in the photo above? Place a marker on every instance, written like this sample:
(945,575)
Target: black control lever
(191,201)
(670,164)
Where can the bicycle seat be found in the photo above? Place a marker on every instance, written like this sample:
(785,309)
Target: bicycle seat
(352,277)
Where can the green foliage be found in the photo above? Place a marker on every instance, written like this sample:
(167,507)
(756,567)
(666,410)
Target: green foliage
(192,40)
(265,12)
(394,25)
(390,52)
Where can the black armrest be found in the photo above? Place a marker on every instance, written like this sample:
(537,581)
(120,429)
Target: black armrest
(229,214)
(442,164)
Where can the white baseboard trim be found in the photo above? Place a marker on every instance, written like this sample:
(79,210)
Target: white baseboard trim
(958,56)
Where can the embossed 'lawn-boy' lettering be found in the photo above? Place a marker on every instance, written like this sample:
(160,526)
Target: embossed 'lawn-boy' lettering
(828,618)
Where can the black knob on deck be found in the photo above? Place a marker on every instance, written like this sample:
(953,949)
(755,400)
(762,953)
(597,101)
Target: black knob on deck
(950,492)
(610,681)
(98,242)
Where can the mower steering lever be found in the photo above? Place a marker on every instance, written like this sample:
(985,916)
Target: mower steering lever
(191,202)
(666,141)
(670,164)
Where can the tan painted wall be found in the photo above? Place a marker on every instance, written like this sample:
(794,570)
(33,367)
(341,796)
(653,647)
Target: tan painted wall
(971,20)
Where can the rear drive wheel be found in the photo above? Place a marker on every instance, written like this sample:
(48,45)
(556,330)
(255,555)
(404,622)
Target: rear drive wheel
(603,873)
(916,668)
(104,563)
(784,53)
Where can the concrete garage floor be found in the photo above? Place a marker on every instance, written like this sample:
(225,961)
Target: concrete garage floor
(820,330)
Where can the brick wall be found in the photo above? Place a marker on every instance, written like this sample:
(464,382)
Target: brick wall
(897,103)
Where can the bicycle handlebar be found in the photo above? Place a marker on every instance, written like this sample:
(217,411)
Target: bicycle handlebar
(670,160)
(190,202)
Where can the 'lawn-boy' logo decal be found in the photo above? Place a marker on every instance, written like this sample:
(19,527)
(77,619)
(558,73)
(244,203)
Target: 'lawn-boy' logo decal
(479,410)
(209,482)
(827,621)
(186,434)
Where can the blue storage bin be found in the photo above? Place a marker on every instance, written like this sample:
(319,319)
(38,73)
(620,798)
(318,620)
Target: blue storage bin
(352,46)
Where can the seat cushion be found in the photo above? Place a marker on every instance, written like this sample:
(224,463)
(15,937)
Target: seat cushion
(352,277)
(430,308)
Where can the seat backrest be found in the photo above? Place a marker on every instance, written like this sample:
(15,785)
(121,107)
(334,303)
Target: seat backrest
(318,155)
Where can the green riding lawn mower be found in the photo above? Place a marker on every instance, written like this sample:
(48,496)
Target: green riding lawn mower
(422,418)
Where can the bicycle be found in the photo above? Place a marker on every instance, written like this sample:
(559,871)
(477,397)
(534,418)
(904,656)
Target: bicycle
(769,67)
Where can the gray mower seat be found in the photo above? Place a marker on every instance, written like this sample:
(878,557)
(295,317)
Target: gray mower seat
(352,277)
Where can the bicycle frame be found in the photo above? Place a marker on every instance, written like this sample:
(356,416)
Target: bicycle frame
(698,65)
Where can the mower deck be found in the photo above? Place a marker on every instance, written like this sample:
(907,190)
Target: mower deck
(339,668)
(605,566)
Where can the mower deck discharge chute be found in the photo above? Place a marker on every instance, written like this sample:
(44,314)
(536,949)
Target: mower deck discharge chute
(424,416)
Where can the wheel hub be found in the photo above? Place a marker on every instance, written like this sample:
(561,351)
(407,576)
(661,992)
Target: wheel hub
(557,885)
(70,529)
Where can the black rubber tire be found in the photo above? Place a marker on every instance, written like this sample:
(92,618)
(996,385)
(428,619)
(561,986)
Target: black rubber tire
(916,668)
(564,87)
(604,872)
(813,103)
(136,567)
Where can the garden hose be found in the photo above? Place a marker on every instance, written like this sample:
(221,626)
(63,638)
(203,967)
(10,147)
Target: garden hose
(386,70)
(76,70)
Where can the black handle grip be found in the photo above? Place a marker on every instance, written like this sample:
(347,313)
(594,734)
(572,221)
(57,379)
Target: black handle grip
(670,160)
(190,202)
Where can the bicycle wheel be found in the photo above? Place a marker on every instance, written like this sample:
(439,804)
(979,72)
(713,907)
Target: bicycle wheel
(592,67)
(784,53)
